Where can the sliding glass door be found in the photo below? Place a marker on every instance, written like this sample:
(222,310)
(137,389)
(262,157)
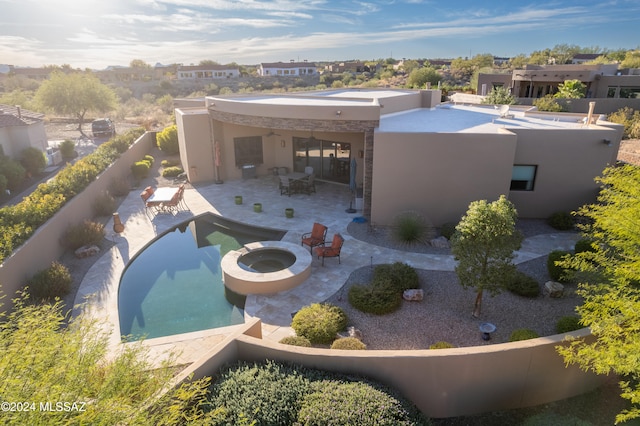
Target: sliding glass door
(330,160)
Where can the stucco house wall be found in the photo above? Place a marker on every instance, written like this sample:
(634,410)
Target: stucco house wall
(438,174)
(196,146)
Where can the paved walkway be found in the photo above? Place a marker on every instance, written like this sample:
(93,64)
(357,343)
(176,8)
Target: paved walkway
(327,206)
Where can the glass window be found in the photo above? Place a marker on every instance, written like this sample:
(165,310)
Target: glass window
(248,150)
(611,92)
(630,92)
(523,178)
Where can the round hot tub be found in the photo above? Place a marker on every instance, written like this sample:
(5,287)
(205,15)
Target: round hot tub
(265,267)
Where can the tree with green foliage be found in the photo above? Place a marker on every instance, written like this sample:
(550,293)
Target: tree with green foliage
(75,94)
(630,119)
(571,89)
(483,245)
(609,282)
(419,77)
(33,160)
(44,357)
(631,59)
(548,103)
(499,96)
(167,140)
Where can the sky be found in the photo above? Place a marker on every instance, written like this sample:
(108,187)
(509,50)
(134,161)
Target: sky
(100,33)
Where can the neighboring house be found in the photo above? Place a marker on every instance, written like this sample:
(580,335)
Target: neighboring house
(352,67)
(581,58)
(409,151)
(32,73)
(287,69)
(207,72)
(21,129)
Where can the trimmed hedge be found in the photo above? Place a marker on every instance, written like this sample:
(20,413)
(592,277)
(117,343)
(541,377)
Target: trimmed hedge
(561,221)
(557,272)
(348,343)
(296,341)
(273,393)
(378,298)
(402,276)
(568,323)
(523,334)
(319,322)
(523,285)
(441,345)
(172,171)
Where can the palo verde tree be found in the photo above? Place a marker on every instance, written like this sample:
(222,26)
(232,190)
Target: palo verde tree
(499,96)
(483,244)
(571,89)
(609,276)
(63,372)
(75,94)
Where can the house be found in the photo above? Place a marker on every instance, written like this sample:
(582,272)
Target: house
(354,67)
(207,72)
(21,129)
(581,58)
(287,69)
(409,151)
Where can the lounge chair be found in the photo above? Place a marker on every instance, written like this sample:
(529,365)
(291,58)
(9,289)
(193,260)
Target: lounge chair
(332,250)
(316,237)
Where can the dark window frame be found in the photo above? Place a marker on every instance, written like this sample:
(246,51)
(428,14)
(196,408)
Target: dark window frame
(248,150)
(522,184)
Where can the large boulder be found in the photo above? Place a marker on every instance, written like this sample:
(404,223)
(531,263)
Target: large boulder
(413,294)
(87,251)
(553,289)
(440,242)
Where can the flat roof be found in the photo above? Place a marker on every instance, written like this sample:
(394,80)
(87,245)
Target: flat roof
(448,118)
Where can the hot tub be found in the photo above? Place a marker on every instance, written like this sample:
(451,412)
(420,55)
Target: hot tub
(265,267)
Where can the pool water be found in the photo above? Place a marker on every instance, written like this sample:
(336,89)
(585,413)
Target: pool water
(265,261)
(174,285)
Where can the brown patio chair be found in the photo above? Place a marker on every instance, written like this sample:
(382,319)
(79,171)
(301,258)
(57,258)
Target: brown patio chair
(332,250)
(316,237)
(176,201)
(145,195)
(285,185)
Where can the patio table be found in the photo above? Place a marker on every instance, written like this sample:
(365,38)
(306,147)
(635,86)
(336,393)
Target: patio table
(162,195)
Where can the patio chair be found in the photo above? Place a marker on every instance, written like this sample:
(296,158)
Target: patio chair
(332,250)
(316,237)
(145,195)
(308,170)
(176,201)
(310,184)
(285,185)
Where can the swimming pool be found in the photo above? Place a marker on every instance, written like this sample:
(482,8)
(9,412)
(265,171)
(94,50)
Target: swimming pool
(174,285)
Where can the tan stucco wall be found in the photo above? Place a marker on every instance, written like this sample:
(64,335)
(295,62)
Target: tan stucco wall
(442,383)
(568,161)
(438,174)
(195,142)
(43,247)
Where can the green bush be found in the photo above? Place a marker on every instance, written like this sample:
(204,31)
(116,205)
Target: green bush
(67,148)
(378,298)
(557,272)
(104,204)
(583,245)
(409,228)
(13,171)
(447,230)
(171,171)
(441,345)
(55,281)
(352,403)
(168,163)
(83,234)
(548,103)
(120,187)
(33,160)
(3,184)
(550,418)
(523,285)
(149,158)
(568,323)
(296,341)
(403,276)
(348,343)
(561,221)
(140,169)
(269,394)
(319,322)
(167,140)
(523,334)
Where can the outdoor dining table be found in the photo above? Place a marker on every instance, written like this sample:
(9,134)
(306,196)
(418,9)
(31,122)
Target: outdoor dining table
(162,195)
(297,180)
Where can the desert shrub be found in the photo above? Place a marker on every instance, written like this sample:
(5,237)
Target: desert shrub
(104,204)
(55,281)
(172,171)
(568,323)
(120,187)
(83,234)
(168,163)
(319,322)
(296,341)
(67,148)
(13,171)
(447,230)
(348,343)
(33,160)
(523,334)
(583,245)
(167,140)
(561,221)
(377,298)
(149,158)
(140,169)
(401,275)
(523,285)
(550,418)
(548,103)
(630,119)
(352,403)
(441,345)
(409,228)
(3,184)
(557,272)
(269,394)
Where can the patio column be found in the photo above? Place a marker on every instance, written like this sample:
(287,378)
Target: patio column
(368,173)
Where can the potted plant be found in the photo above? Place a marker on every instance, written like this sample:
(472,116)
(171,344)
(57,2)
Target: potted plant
(257,207)
(238,199)
(288,212)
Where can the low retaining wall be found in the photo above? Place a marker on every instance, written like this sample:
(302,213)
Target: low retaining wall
(442,383)
(44,247)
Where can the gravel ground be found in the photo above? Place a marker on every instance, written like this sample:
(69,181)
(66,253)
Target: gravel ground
(445,313)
